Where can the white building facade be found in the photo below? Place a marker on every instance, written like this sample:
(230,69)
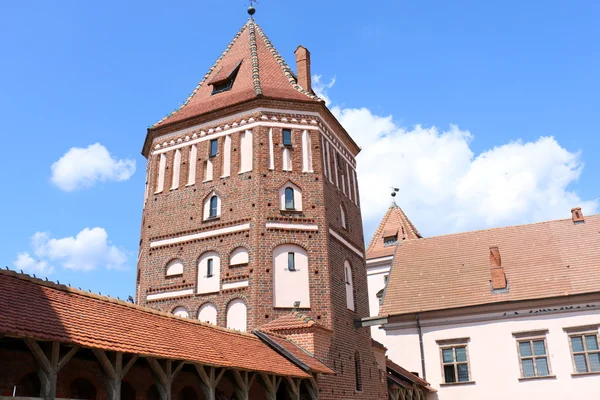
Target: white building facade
(504,313)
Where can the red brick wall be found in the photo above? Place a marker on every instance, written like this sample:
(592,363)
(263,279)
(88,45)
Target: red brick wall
(254,197)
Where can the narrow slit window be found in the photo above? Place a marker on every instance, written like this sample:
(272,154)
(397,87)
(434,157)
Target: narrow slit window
(287,137)
(214,147)
(291,261)
(289,199)
(209,268)
(213,207)
(357,372)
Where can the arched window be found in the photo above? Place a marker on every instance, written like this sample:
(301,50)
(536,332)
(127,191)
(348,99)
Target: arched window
(174,268)
(28,386)
(343,217)
(82,388)
(208,313)
(188,393)
(214,202)
(238,256)
(357,371)
(290,277)
(349,286)
(236,315)
(212,206)
(209,273)
(127,391)
(181,312)
(290,197)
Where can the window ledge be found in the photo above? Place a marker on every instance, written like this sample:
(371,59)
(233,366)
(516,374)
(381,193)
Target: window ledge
(535,378)
(210,219)
(238,265)
(457,383)
(291,212)
(585,374)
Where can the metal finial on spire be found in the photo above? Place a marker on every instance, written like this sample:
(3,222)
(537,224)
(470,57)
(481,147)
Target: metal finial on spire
(395,190)
(251,9)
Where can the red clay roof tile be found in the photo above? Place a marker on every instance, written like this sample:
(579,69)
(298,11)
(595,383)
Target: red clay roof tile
(394,221)
(45,311)
(300,354)
(542,260)
(262,73)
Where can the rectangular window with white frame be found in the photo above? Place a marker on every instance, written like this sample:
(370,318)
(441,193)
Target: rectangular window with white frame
(455,361)
(532,350)
(585,349)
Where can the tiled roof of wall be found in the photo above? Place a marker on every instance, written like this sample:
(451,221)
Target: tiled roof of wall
(541,260)
(42,310)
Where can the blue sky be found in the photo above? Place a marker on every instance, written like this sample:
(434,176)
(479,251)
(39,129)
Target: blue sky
(483,113)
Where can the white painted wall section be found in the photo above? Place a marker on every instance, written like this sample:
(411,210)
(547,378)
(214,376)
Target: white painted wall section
(271,151)
(226,157)
(290,286)
(287,159)
(209,284)
(237,315)
(162,165)
(493,354)
(246,152)
(208,313)
(208,170)
(239,256)
(174,267)
(306,152)
(192,162)
(181,312)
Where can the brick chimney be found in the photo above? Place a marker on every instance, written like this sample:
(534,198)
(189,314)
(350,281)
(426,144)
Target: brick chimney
(577,215)
(497,270)
(303,68)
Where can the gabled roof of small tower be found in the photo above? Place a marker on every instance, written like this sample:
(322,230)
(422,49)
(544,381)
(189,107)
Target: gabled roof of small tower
(394,221)
(262,73)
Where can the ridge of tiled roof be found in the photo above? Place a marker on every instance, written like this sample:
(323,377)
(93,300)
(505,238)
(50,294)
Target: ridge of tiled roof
(31,307)
(294,320)
(394,220)
(263,72)
(540,260)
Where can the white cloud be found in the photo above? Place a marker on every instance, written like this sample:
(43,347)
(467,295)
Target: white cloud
(321,88)
(27,264)
(88,250)
(84,167)
(445,187)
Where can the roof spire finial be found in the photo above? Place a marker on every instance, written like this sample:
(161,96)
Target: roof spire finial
(251,9)
(394,191)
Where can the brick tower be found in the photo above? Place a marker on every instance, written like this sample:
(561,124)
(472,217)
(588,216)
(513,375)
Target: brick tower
(251,215)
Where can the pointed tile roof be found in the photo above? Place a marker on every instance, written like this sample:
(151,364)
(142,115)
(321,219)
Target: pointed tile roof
(394,221)
(262,73)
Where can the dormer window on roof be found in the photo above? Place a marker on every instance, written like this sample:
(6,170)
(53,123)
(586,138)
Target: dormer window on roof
(390,237)
(224,79)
